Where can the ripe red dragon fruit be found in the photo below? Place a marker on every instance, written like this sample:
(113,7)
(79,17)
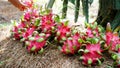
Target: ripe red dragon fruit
(63,32)
(113,45)
(93,33)
(92,54)
(36,43)
(28,32)
(71,45)
(93,30)
(31,14)
(112,39)
(16,31)
(47,23)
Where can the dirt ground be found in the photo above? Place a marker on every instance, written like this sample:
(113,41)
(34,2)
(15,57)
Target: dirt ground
(14,55)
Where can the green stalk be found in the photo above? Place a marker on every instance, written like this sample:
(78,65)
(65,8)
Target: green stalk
(85,9)
(64,9)
(77,5)
(50,4)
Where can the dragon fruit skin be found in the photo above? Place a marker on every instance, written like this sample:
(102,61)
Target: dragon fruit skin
(37,42)
(90,33)
(31,14)
(47,23)
(94,30)
(93,54)
(27,33)
(113,42)
(36,45)
(112,39)
(94,33)
(63,32)
(16,30)
(71,46)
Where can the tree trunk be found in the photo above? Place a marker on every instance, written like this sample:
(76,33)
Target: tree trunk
(109,11)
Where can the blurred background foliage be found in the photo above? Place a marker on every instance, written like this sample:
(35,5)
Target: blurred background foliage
(109,11)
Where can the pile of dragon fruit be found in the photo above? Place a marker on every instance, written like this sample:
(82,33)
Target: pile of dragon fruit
(37,26)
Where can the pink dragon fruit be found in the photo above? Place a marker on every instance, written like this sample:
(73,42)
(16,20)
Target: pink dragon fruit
(27,33)
(93,33)
(16,31)
(112,39)
(47,23)
(91,40)
(31,14)
(92,54)
(35,44)
(63,32)
(92,30)
(113,44)
(71,45)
